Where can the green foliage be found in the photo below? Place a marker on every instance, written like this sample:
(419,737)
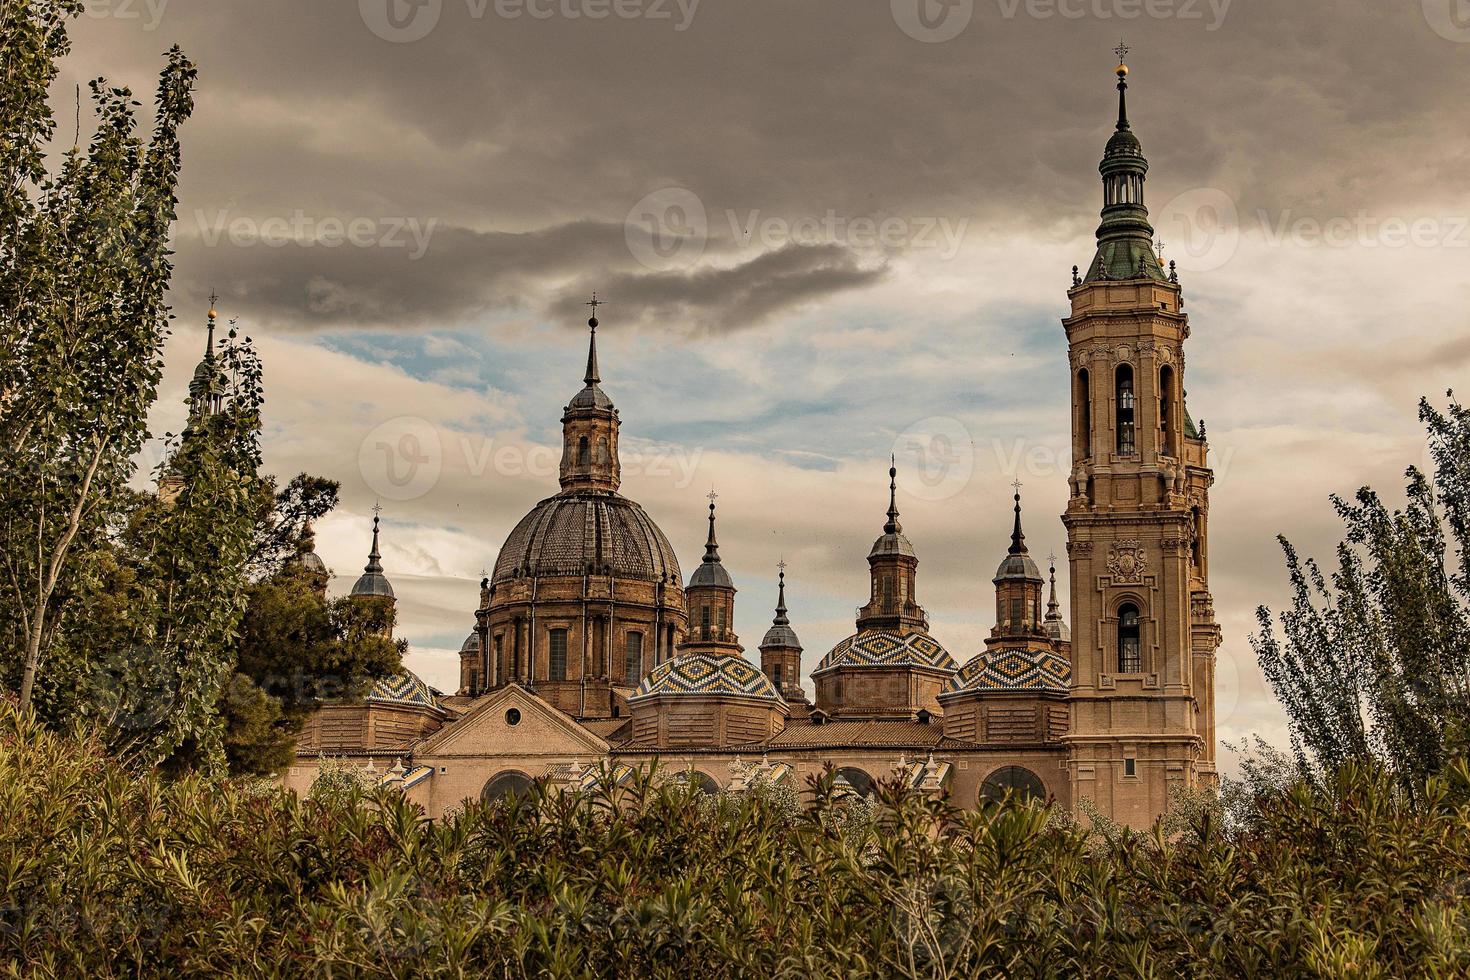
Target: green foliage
(1374,664)
(296,649)
(109,872)
(84,265)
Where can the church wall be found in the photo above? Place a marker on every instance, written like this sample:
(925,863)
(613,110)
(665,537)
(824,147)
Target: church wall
(879,692)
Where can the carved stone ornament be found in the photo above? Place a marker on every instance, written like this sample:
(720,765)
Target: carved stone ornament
(1127,561)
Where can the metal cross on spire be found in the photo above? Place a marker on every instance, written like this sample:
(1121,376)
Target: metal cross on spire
(781,565)
(1016,485)
(712,496)
(1122,51)
(1159,247)
(594,302)
(377,508)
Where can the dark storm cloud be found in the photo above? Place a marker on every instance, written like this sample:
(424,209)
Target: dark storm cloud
(326,273)
(528,139)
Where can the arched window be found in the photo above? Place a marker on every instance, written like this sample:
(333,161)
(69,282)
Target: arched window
(1020,783)
(582,451)
(1126,443)
(1084,412)
(558,659)
(888,606)
(860,782)
(776,676)
(704,622)
(1130,643)
(1197,539)
(1166,410)
(633,659)
(508,785)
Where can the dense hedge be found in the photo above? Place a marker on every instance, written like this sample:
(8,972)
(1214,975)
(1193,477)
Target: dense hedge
(104,871)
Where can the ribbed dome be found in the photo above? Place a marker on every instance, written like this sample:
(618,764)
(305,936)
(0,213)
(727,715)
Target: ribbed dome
(471,644)
(781,635)
(580,530)
(707,674)
(1018,566)
(711,574)
(895,543)
(1123,143)
(591,396)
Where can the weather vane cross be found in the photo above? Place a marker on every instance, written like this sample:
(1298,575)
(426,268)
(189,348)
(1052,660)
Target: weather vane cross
(712,497)
(1016,485)
(1121,51)
(594,302)
(377,509)
(1159,247)
(782,566)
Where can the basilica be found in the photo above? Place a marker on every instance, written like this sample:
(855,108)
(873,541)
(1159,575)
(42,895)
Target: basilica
(592,654)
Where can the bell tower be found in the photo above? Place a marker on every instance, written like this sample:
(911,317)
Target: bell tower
(589,452)
(1143,634)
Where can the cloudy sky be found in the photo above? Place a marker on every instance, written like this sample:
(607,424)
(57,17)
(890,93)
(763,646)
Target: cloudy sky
(825,231)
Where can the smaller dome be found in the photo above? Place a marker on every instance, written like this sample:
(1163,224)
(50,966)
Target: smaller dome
(694,674)
(711,573)
(1018,566)
(591,396)
(312,562)
(885,648)
(471,644)
(1058,630)
(373,584)
(1013,670)
(1123,143)
(892,543)
(781,635)
(405,688)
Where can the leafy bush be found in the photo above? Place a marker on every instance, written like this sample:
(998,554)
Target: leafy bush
(107,871)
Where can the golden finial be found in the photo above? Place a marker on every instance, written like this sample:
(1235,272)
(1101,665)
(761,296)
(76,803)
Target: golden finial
(1122,52)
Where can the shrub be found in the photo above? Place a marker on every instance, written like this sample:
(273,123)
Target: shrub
(110,871)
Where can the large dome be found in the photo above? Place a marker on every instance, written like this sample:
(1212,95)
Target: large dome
(578,531)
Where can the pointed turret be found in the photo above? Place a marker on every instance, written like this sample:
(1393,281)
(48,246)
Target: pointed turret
(892,566)
(781,650)
(710,600)
(206,388)
(711,571)
(1056,627)
(1125,239)
(589,455)
(372,582)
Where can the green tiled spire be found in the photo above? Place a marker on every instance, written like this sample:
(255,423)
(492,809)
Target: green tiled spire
(1125,239)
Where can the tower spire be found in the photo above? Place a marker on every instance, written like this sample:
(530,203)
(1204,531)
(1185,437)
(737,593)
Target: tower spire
(591,378)
(1122,71)
(893,526)
(375,557)
(711,546)
(1053,607)
(781,617)
(1018,537)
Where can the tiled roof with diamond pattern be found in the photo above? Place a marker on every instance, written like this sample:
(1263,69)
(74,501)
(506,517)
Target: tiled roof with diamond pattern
(703,673)
(884,648)
(1013,670)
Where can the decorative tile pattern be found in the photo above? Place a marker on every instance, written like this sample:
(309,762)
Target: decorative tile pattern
(1014,670)
(703,673)
(881,648)
(404,688)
